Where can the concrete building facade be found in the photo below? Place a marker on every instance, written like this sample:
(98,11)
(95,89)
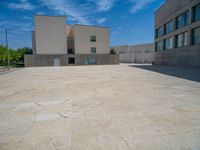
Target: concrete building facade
(56,43)
(143,53)
(177,33)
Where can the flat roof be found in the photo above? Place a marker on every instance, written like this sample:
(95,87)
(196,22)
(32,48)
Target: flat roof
(90,26)
(49,16)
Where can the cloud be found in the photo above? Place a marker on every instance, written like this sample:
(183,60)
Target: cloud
(79,11)
(23,5)
(139,4)
(101,20)
(104,5)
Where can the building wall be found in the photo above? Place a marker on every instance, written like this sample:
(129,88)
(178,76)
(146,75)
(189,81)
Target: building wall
(82,39)
(48,60)
(167,12)
(50,35)
(33,42)
(136,53)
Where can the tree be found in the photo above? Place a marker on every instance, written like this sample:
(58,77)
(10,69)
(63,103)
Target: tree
(112,51)
(16,56)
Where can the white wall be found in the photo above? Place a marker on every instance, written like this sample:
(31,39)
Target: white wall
(50,35)
(82,39)
(136,53)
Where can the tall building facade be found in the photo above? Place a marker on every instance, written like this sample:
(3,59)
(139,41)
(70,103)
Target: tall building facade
(56,43)
(177,33)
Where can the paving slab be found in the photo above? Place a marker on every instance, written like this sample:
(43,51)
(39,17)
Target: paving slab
(111,107)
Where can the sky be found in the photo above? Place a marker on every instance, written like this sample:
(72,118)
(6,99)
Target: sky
(131,22)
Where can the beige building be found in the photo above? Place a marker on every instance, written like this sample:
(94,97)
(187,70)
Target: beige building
(56,43)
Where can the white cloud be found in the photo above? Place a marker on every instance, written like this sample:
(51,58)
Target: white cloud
(104,5)
(74,9)
(101,20)
(139,4)
(23,5)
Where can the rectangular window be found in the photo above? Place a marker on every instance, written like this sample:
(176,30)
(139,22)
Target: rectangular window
(169,27)
(90,61)
(159,32)
(159,46)
(182,20)
(182,40)
(196,36)
(169,43)
(196,13)
(93,50)
(93,38)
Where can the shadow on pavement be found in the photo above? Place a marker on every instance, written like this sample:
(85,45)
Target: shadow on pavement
(192,74)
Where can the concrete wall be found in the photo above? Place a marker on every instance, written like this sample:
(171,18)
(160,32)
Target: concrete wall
(48,60)
(82,39)
(50,35)
(101,59)
(136,53)
(186,56)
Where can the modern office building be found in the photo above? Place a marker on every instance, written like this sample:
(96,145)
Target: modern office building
(56,43)
(177,33)
(143,53)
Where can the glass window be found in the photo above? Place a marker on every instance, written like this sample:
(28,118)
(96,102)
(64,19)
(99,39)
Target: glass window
(159,46)
(159,32)
(90,61)
(196,36)
(182,39)
(93,38)
(196,13)
(169,27)
(169,43)
(182,20)
(93,49)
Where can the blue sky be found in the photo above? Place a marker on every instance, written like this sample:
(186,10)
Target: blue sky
(131,21)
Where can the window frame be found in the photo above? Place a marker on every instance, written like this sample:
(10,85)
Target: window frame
(93,38)
(186,13)
(93,52)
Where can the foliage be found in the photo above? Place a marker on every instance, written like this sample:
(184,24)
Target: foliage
(112,51)
(16,57)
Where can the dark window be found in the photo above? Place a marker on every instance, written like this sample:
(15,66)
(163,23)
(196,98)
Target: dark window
(159,32)
(71,60)
(182,20)
(196,13)
(93,49)
(90,61)
(93,38)
(70,51)
(169,43)
(169,27)
(159,46)
(182,39)
(196,36)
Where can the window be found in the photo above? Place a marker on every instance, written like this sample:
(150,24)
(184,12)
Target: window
(196,13)
(93,38)
(169,43)
(196,36)
(93,49)
(182,20)
(70,51)
(182,40)
(159,32)
(71,61)
(159,46)
(90,61)
(169,27)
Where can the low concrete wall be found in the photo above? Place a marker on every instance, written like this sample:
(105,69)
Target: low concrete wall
(135,53)
(43,60)
(185,56)
(48,60)
(101,59)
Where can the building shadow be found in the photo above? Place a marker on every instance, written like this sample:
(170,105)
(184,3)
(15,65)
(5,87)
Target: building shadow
(192,74)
